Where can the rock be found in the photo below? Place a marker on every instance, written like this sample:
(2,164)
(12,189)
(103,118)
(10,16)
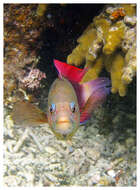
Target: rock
(130,20)
(130,142)
(111,173)
(50,150)
(93,154)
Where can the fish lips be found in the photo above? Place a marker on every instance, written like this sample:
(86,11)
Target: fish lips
(64,128)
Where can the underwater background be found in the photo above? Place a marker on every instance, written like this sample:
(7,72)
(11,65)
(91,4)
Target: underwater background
(98,36)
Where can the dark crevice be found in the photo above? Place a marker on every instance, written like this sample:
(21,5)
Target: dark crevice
(65,25)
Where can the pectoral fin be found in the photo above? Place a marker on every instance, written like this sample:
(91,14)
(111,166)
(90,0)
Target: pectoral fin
(26,114)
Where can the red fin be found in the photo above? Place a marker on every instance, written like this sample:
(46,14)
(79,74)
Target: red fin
(26,114)
(70,72)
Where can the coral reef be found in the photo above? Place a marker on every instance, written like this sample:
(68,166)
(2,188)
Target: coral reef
(102,153)
(116,75)
(109,42)
(32,80)
(94,71)
(22,29)
(80,52)
(117,14)
(114,37)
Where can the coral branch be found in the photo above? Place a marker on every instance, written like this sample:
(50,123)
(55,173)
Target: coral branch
(109,42)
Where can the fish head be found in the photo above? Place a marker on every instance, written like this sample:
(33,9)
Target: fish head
(63,109)
(63,119)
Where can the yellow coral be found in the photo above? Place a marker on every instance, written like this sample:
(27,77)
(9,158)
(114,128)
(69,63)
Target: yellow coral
(87,38)
(130,9)
(116,75)
(79,53)
(108,62)
(94,71)
(107,43)
(114,38)
(102,25)
(115,65)
(77,56)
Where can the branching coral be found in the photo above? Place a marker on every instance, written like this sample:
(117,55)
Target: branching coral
(94,70)
(116,71)
(79,53)
(109,42)
(114,38)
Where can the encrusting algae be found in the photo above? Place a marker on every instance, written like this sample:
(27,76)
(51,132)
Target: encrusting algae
(109,42)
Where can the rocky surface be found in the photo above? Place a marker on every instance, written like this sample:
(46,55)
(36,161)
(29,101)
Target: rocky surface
(100,154)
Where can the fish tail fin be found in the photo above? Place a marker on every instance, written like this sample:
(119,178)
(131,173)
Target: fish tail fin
(70,72)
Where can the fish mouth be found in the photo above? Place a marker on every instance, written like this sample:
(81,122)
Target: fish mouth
(63,127)
(60,122)
(64,130)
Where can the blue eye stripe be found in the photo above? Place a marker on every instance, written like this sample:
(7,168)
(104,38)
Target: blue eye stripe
(53,107)
(72,106)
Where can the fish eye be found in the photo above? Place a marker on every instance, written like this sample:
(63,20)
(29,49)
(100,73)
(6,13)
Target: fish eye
(52,108)
(72,107)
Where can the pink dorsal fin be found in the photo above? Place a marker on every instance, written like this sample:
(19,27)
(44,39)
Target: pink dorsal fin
(70,72)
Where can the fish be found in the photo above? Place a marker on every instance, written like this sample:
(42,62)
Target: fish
(70,102)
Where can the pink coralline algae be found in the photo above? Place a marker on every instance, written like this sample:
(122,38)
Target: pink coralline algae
(32,80)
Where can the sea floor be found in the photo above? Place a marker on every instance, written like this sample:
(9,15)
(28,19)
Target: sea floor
(100,154)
